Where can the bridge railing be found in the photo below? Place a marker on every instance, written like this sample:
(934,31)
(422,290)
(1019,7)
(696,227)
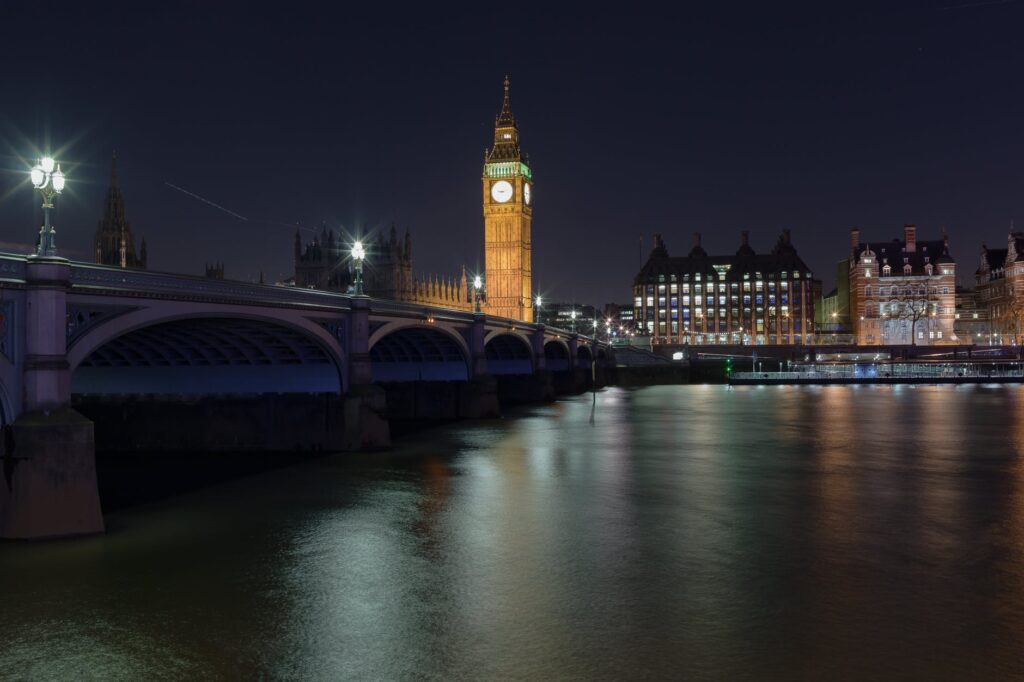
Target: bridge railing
(85,276)
(12,268)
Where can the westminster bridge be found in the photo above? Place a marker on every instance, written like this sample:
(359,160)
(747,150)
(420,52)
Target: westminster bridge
(132,360)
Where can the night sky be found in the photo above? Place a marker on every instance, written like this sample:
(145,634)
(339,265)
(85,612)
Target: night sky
(757,116)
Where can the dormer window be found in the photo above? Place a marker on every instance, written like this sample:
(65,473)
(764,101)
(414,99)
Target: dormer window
(928,269)
(886,270)
(906,269)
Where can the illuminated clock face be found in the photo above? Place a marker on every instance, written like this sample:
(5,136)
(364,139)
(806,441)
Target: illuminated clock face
(526,192)
(501,191)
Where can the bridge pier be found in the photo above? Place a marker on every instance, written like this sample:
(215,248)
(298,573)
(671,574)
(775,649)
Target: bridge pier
(366,421)
(481,393)
(49,461)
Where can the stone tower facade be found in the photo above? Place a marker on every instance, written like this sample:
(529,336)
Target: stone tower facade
(114,242)
(508,211)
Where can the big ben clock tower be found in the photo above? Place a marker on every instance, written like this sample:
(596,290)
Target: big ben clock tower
(508,207)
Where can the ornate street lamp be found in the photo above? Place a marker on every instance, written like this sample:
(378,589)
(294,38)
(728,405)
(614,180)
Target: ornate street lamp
(50,182)
(573,315)
(358,255)
(478,284)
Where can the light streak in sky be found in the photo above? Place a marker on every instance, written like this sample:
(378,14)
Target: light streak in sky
(206,201)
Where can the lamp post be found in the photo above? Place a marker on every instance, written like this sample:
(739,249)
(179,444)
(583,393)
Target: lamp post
(536,304)
(573,316)
(50,182)
(358,255)
(478,284)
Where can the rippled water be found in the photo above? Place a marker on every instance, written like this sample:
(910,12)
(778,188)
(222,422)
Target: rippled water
(690,531)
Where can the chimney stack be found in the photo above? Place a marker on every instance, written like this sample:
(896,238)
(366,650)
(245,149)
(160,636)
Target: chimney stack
(785,236)
(910,237)
(745,237)
(696,240)
(854,238)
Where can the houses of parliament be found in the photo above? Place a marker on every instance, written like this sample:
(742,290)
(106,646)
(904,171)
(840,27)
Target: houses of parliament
(507,207)
(323,263)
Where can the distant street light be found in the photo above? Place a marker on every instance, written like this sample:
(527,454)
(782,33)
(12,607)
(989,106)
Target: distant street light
(573,316)
(358,255)
(50,183)
(478,284)
(536,304)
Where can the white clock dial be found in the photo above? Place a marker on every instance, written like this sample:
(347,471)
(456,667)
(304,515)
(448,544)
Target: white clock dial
(501,191)
(526,192)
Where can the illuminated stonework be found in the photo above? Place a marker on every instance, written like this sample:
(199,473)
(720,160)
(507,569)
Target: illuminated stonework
(902,292)
(508,208)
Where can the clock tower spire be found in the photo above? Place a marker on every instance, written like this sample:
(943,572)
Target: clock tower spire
(508,212)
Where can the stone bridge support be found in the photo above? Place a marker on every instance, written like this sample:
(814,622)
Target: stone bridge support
(481,397)
(366,422)
(49,463)
(543,388)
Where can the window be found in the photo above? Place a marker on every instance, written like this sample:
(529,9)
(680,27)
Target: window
(867,291)
(906,269)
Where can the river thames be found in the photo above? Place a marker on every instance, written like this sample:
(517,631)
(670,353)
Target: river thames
(672,532)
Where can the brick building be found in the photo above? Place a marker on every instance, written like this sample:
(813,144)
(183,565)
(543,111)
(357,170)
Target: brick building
(733,299)
(902,291)
(1000,289)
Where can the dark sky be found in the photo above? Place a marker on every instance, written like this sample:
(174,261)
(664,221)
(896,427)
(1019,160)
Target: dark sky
(716,118)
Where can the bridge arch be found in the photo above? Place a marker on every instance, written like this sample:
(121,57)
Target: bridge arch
(418,352)
(217,350)
(556,355)
(584,356)
(508,353)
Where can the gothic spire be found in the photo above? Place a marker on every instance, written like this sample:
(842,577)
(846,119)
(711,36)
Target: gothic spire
(505,118)
(113,169)
(506,133)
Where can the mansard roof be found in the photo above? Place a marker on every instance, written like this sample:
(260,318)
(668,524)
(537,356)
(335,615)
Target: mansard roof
(783,257)
(993,259)
(895,254)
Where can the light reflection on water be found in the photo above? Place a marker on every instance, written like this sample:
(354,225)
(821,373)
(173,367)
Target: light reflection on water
(690,531)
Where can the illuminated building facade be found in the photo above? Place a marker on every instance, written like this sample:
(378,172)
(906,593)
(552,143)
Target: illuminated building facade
(902,292)
(1000,290)
(508,212)
(739,299)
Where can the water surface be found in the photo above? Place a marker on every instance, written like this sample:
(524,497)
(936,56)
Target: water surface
(703,532)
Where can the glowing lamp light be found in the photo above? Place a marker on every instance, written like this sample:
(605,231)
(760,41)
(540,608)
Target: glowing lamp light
(47,177)
(358,255)
(537,301)
(478,284)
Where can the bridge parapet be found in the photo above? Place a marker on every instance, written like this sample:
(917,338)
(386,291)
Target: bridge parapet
(88,278)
